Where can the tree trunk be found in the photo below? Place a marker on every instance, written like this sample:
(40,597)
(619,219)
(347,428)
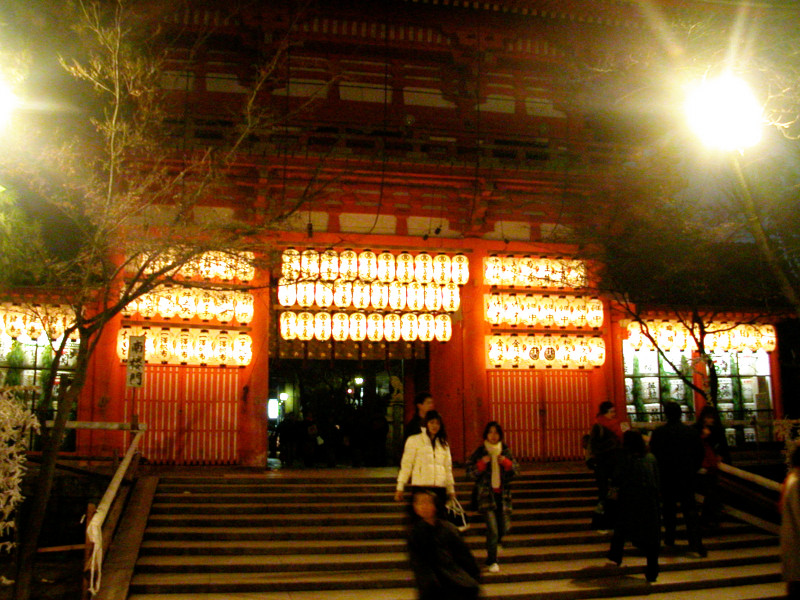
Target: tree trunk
(32,523)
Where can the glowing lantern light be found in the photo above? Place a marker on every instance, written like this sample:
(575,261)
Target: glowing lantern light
(415,296)
(546,311)
(451,297)
(526,271)
(309,264)
(229,266)
(361,294)
(562,312)
(244,268)
(635,337)
(56,323)
(148,305)
(348,265)
(305,293)
(426,327)
(342,293)
(367,266)
(223,349)
(597,352)
(527,311)
(187,303)
(404,268)
(459,270)
(242,349)
(510,313)
(379,295)
(594,312)
(545,269)
(374,327)
(322,326)
(202,347)
(288,325)
(167,302)
(329,265)
(492,270)
(323,294)
(548,352)
(497,350)
(582,353)
(358,326)
(305,326)
(385,267)
(769,340)
(340,327)
(244,308)
(225,306)
(290,267)
(163,346)
(442,267)
(123,342)
(408,327)
(423,268)
(735,336)
(579,311)
(391,327)
(130,308)
(575,274)
(508,271)
(443,328)
(182,346)
(34,327)
(433,297)
(205,305)
(494,309)
(397,295)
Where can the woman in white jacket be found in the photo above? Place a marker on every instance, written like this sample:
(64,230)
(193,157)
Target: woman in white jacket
(427,463)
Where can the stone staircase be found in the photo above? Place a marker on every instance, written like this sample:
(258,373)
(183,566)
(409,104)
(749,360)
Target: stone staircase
(301,536)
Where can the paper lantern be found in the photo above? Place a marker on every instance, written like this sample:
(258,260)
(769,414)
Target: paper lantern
(769,340)
(167,302)
(361,294)
(545,272)
(223,350)
(202,348)
(494,308)
(57,323)
(243,311)
(415,296)
(433,297)
(575,274)
(244,268)
(122,342)
(329,265)
(527,311)
(510,312)
(386,267)
(182,346)
(397,295)
(187,303)
(443,328)
(148,305)
(561,311)
(423,268)
(163,344)
(508,271)
(226,306)
(597,352)
(374,327)
(34,327)
(230,266)
(309,264)
(348,265)
(492,270)
(548,351)
(288,325)
(392,328)
(130,308)
(546,311)
(408,327)
(442,267)
(579,311)
(563,351)
(496,351)
(459,269)
(340,327)
(358,326)
(735,336)
(290,265)
(451,297)
(305,293)
(205,305)
(379,295)
(323,294)
(426,327)
(305,326)
(526,271)
(207,265)
(367,266)
(342,293)
(322,326)
(242,349)
(404,268)
(594,312)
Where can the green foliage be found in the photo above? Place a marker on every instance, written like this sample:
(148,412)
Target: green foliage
(15,360)
(21,243)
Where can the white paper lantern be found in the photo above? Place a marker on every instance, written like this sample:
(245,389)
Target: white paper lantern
(167,302)
(392,329)
(290,265)
(769,339)
(305,326)
(361,294)
(594,312)
(443,328)
(205,305)
(309,264)
(494,308)
(511,309)
(225,306)
(374,327)
(322,326)
(182,346)
(451,297)
(342,293)
(408,327)
(562,311)
(223,348)
(433,297)
(348,265)
(148,305)
(527,311)
(442,269)
(426,327)
(130,308)
(122,342)
(379,295)
(288,325)
(397,295)
(508,273)
(386,267)
(367,266)
(358,326)
(415,296)
(163,345)
(492,270)
(404,268)
(242,349)
(305,293)
(423,268)
(287,292)
(323,294)
(340,327)
(526,271)
(329,265)
(202,347)
(459,269)
(187,303)
(496,351)
(244,308)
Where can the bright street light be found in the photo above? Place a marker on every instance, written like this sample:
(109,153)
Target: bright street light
(8,102)
(724,113)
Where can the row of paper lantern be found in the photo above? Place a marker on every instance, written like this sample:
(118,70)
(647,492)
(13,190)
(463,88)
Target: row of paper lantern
(173,345)
(186,303)
(359,326)
(42,321)
(349,265)
(528,271)
(544,352)
(542,310)
(359,294)
(727,337)
(209,265)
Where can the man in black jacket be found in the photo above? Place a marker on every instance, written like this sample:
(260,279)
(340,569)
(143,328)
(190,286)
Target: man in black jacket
(679,452)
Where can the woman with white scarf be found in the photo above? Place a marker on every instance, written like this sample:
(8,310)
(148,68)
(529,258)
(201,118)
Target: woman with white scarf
(492,466)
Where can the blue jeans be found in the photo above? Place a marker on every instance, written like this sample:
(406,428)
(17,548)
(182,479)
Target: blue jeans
(495,528)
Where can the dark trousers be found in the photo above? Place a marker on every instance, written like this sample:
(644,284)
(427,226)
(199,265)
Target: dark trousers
(673,494)
(495,528)
(650,553)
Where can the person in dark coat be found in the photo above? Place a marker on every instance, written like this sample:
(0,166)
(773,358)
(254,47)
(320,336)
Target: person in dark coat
(492,466)
(715,451)
(423,403)
(679,452)
(443,565)
(636,482)
(605,440)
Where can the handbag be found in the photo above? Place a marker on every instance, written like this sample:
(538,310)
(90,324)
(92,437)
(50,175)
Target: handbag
(456,514)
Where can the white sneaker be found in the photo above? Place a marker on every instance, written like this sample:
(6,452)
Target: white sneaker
(494,568)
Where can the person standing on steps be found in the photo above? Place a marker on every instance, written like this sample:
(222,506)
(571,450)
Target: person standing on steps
(635,480)
(790,527)
(715,451)
(427,463)
(605,441)
(492,466)
(444,567)
(423,402)
(679,452)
